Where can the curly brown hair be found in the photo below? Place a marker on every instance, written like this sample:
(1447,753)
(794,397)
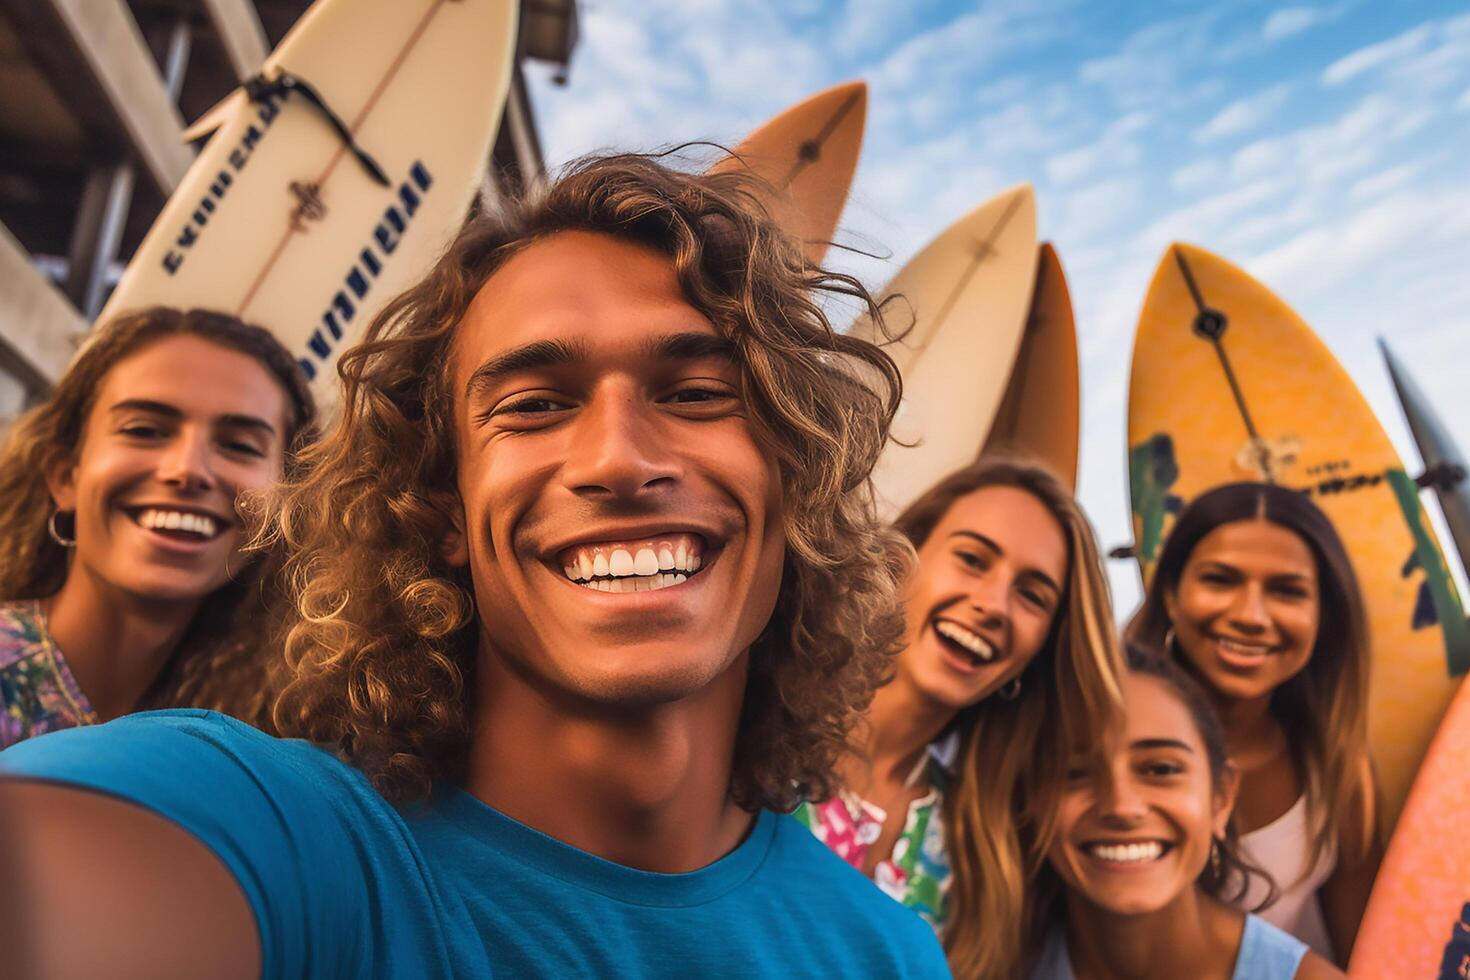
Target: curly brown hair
(384,646)
(223,660)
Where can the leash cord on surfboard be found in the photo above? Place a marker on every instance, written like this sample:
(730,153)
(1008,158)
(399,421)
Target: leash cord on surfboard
(810,151)
(1210,324)
(260,89)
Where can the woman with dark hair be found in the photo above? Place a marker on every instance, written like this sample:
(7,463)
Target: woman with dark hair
(122,583)
(1008,630)
(1141,865)
(1254,594)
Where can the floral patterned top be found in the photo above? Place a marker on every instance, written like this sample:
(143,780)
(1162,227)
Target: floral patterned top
(917,874)
(38,694)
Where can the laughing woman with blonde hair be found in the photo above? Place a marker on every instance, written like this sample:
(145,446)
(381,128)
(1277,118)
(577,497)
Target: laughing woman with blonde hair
(1009,628)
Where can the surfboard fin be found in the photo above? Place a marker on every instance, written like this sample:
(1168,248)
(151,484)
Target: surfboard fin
(214,117)
(1444,463)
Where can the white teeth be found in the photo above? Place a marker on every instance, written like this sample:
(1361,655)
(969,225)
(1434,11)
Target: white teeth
(620,563)
(178,521)
(971,641)
(599,564)
(637,583)
(681,557)
(645,562)
(665,558)
(1128,853)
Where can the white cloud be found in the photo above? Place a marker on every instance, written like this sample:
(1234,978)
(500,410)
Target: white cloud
(1377,55)
(1243,114)
(1197,175)
(1287,22)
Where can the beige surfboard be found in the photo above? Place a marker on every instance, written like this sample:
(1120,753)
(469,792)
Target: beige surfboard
(964,301)
(807,156)
(1040,414)
(337,180)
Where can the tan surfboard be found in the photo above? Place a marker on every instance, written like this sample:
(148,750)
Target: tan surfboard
(807,156)
(963,300)
(1040,414)
(1230,384)
(335,180)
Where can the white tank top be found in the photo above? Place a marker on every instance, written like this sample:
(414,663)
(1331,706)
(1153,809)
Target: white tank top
(1283,847)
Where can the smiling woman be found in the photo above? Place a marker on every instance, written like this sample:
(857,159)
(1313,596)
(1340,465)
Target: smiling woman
(1139,876)
(121,574)
(1255,595)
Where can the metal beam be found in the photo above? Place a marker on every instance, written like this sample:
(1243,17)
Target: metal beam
(116,54)
(241,33)
(40,325)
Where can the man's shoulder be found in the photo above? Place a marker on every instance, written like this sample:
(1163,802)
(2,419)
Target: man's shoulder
(160,750)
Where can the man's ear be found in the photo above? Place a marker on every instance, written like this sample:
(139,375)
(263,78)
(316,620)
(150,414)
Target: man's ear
(455,546)
(1229,788)
(61,481)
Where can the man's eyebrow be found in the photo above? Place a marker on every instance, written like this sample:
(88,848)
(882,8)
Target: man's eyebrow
(993,546)
(689,346)
(527,357)
(248,422)
(1163,743)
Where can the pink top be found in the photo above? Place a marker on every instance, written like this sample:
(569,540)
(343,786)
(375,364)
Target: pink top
(1283,847)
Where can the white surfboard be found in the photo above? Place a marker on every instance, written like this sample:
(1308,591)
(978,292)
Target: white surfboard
(281,223)
(969,291)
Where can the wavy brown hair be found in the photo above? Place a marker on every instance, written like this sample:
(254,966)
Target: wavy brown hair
(223,660)
(1071,687)
(1323,709)
(384,647)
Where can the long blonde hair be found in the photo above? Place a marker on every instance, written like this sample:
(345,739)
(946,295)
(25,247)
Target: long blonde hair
(1072,685)
(222,661)
(384,647)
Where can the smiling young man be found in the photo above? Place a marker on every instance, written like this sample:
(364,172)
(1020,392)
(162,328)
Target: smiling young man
(590,586)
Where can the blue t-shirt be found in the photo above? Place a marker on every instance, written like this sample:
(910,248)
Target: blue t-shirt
(343,884)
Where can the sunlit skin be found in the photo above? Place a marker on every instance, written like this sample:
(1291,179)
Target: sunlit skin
(1246,609)
(994,566)
(183,425)
(1246,614)
(595,405)
(1136,822)
(1148,783)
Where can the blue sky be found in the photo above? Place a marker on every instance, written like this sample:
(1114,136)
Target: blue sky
(1324,147)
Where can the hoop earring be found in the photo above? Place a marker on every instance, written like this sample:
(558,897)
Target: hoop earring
(1169,641)
(1011,689)
(1215,858)
(56,535)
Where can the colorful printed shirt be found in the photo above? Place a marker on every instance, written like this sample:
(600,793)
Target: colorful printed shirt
(38,694)
(917,873)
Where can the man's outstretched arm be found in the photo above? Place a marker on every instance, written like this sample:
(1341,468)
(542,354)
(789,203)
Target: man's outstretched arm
(93,886)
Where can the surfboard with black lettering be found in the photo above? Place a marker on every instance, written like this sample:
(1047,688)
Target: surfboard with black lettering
(807,156)
(336,177)
(1229,384)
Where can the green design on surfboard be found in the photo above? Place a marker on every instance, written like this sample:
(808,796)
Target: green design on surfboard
(1152,471)
(1448,609)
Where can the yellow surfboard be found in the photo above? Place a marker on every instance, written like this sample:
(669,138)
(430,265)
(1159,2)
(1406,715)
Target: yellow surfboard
(334,179)
(1230,384)
(807,156)
(1041,411)
(967,294)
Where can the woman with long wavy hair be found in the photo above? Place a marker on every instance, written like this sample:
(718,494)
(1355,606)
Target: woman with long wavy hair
(1008,628)
(122,583)
(1255,595)
(1140,867)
